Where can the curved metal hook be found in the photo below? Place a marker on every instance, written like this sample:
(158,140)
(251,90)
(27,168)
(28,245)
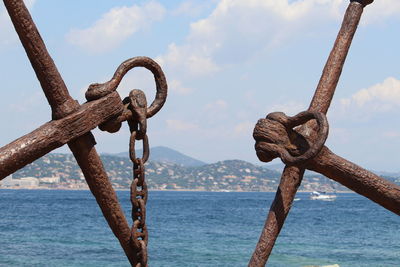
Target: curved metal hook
(98,90)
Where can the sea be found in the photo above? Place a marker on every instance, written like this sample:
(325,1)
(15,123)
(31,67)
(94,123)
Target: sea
(66,228)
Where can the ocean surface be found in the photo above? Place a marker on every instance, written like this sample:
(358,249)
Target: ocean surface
(66,228)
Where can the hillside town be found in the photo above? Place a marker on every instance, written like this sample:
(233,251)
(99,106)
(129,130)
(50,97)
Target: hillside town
(60,171)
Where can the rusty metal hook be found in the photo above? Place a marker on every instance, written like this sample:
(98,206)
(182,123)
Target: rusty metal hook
(98,90)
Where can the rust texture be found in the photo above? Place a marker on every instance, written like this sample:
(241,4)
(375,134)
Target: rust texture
(56,133)
(363,182)
(98,182)
(359,180)
(277,135)
(274,141)
(280,207)
(135,113)
(139,196)
(292,175)
(46,71)
(62,104)
(98,90)
(333,68)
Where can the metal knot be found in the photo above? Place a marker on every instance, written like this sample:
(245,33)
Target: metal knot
(275,137)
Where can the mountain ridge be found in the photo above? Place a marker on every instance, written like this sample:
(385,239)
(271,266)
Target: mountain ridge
(165,154)
(227,175)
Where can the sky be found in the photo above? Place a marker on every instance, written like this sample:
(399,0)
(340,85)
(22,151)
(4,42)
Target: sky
(228,63)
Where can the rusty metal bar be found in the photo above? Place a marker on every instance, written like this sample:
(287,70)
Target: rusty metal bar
(273,132)
(97,179)
(292,176)
(62,104)
(46,71)
(57,133)
(333,68)
(359,180)
(290,181)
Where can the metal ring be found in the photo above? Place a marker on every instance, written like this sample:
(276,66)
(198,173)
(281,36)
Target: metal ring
(145,234)
(134,193)
(301,118)
(143,253)
(146,149)
(98,90)
(144,192)
(322,135)
(134,230)
(142,212)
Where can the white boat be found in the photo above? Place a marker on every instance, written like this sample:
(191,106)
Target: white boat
(322,196)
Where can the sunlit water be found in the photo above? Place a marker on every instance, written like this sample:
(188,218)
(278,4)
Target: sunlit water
(66,228)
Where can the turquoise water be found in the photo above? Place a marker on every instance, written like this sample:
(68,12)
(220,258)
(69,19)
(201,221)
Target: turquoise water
(66,228)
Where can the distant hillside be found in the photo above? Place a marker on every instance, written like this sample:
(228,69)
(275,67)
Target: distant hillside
(274,166)
(311,177)
(167,155)
(231,175)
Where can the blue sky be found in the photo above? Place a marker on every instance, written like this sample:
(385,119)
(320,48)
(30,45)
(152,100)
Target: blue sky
(228,63)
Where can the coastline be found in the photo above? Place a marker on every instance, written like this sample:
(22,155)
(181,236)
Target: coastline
(163,190)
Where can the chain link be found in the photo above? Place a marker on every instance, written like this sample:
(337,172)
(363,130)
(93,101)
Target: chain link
(136,112)
(139,193)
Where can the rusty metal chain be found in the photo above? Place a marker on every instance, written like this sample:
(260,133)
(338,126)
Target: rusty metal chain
(139,193)
(135,113)
(72,123)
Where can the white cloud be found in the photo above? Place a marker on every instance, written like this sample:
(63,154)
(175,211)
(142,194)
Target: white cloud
(116,26)
(181,126)
(191,8)
(177,87)
(216,106)
(380,97)
(237,31)
(7,33)
(244,128)
(339,135)
(189,59)
(391,134)
(381,10)
(215,114)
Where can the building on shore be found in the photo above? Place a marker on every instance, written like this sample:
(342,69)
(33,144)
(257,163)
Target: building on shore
(26,182)
(49,180)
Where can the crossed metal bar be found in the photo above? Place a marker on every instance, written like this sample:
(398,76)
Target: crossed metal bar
(325,162)
(71,125)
